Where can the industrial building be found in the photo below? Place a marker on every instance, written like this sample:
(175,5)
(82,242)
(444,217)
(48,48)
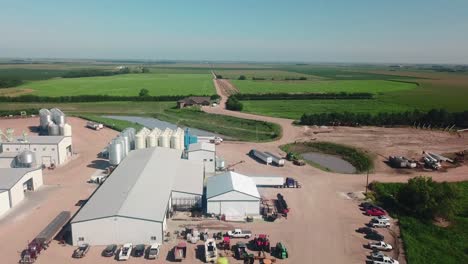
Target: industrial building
(14,182)
(205,152)
(48,149)
(133,204)
(233,195)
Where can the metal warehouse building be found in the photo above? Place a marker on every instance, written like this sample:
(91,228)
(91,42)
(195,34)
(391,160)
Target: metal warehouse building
(48,149)
(205,152)
(132,205)
(14,183)
(232,194)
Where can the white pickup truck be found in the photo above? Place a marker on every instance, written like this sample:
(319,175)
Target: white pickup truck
(125,251)
(239,233)
(385,260)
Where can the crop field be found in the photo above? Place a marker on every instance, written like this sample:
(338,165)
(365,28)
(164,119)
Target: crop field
(294,109)
(350,86)
(267,74)
(123,85)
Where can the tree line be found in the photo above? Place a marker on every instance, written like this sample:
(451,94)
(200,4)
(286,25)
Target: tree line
(4,83)
(90,98)
(434,117)
(303,96)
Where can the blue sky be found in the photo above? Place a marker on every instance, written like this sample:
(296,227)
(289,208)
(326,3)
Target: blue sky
(430,31)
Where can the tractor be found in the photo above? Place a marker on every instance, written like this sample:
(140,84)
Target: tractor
(280,251)
(261,243)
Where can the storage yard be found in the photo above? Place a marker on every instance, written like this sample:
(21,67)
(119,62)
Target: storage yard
(322,221)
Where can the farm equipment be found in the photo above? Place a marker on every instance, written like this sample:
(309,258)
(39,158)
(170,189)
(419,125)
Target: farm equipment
(180,251)
(282,205)
(240,250)
(261,243)
(231,166)
(42,241)
(211,252)
(299,162)
(225,244)
(269,211)
(291,183)
(275,159)
(295,159)
(280,251)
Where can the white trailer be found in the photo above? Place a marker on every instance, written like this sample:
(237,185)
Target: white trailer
(276,160)
(268,181)
(261,156)
(94,125)
(210,139)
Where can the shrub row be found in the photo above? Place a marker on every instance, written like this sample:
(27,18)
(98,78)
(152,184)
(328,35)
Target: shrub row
(10,83)
(303,96)
(234,104)
(88,98)
(29,111)
(434,117)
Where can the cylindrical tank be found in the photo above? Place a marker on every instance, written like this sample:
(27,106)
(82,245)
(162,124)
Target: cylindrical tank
(53,129)
(58,116)
(175,140)
(140,141)
(126,143)
(26,159)
(130,131)
(164,139)
(151,140)
(115,152)
(45,117)
(67,130)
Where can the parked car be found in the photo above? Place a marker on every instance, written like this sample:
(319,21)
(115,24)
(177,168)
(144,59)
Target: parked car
(365,230)
(125,251)
(139,250)
(382,218)
(380,246)
(239,233)
(379,223)
(366,205)
(374,236)
(153,251)
(81,251)
(385,260)
(376,255)
(109,251)
(375,212)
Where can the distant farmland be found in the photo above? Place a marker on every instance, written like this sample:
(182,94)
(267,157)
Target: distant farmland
(350,86)
(123,85)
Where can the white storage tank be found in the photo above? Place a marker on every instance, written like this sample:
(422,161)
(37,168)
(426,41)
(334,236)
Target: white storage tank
(67,130)
(115,152)
(53,129)
(58,116)
(165,138)
(45,117)
(126,144)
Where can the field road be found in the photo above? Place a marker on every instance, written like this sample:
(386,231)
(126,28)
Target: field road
(321,227)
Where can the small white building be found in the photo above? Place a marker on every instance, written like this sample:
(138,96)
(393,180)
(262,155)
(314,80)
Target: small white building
(205,152)
(48,149)
(14,182)
(232,194)
(133,204)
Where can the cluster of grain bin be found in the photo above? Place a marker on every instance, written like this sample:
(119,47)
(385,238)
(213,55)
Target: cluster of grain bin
(120,146)
(168,138)
(53,123)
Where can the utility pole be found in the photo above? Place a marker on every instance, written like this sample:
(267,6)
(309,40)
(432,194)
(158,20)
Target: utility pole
(367,180)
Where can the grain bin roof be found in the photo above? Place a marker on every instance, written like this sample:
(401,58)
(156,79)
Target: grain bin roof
(202,146)
(231,181)
(10,176)
(141,185)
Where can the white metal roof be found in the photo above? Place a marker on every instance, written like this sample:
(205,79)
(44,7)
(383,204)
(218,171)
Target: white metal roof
(36,140)
(202,146)
(231,181)
(141,185)
(10,176)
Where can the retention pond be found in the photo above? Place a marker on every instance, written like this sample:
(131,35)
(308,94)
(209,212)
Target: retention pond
(330,162)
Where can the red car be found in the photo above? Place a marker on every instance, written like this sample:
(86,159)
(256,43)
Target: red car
(375,212)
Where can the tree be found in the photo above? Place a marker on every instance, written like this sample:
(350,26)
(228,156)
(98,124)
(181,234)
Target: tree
(426,199)
(144,92)
(242,77)
(234,104)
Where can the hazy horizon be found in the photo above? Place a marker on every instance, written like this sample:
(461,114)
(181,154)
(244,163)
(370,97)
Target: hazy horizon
(397,32)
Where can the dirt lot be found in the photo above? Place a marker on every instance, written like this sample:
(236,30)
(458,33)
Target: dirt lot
(319,229)
(63,187)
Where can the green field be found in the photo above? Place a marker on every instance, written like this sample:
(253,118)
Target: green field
(350,86)
(124,85)
(294,109)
